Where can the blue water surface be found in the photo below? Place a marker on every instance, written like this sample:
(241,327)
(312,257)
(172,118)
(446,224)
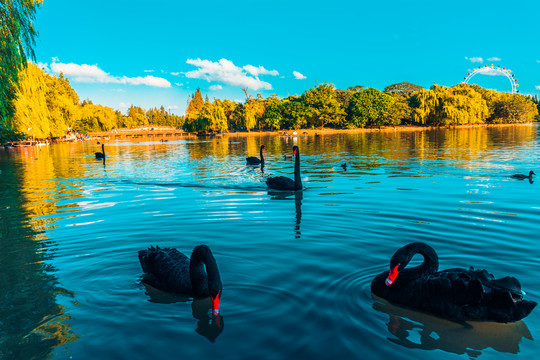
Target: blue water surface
(296,266)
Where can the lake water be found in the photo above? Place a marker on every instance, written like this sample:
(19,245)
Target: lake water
(296,267)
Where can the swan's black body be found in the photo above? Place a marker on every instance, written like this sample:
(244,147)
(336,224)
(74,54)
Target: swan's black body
(101,155)
(522,176)
(454,294)
(285,183)
(252,160)
(169,270)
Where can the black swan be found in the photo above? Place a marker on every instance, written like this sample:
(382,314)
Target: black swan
(455,294)
(284,183)
(252,160)
(521,176)
(101,155)
(169,270)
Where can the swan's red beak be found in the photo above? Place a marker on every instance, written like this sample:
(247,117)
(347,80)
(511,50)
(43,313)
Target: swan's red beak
(215,303)
(294,152)
(392,276)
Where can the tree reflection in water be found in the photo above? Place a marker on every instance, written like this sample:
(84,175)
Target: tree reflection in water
(32,322)
(416,330)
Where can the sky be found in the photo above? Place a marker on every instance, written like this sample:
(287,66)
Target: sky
(157,53)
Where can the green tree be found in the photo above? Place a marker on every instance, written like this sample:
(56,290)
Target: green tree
(294,113)
(17,40)
(322,106)
(369,107)
(513,108)
(196,103)
(31,111)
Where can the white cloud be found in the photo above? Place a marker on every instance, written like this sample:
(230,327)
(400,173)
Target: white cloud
(490,71)
(256,71)
(179,84)
(226,72)
(148,71)
(298,76)
(537,87)
(216,87)
(175,73)
(494,59)
(93,74)
(124,105)
(172,107)
(475,59)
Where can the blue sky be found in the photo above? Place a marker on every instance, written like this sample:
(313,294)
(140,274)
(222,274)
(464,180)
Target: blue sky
(153,53)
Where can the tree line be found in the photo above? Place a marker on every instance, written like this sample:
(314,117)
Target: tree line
(358,107)
(46,105)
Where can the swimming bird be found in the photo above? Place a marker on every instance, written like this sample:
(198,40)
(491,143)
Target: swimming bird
(344,166)
(253,160)
(521,176)
(101,155)
(285,183)
(169,270)
(455,294)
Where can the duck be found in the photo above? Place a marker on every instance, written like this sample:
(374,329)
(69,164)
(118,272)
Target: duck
(169,270)
(522,177)
(285,183)
(101,155)
(455,294)
(253,160)
(344,166)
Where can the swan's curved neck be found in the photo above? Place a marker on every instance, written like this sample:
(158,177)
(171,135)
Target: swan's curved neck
(103,149)
(404,255)
(297,178)
(262,157)
(202,256)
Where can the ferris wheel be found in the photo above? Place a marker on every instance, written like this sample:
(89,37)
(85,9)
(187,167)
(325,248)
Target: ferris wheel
(491,70)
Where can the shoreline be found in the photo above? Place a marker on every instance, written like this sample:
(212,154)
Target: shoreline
(164,131)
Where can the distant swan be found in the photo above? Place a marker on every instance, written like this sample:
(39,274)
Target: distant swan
(455,294)
(169,270)
(252,160)
(101,155)
(285,183)
(521,176)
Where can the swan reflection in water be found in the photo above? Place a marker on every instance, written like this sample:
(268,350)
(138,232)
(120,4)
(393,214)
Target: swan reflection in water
(298,196)
(417,330)
(208,325)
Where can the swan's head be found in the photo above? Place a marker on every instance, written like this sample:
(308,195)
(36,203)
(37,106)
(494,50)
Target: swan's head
(215,297)
(392,275)
(531,173)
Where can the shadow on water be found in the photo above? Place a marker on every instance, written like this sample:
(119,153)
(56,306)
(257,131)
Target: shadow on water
(208,326)
(297,196)
(32,322)
(416,330)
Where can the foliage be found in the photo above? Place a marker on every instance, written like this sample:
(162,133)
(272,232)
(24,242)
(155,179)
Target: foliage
(369,107)
(8,135)
(513,108)
(196,103)
(322,106)
(17,39)
(442,105)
